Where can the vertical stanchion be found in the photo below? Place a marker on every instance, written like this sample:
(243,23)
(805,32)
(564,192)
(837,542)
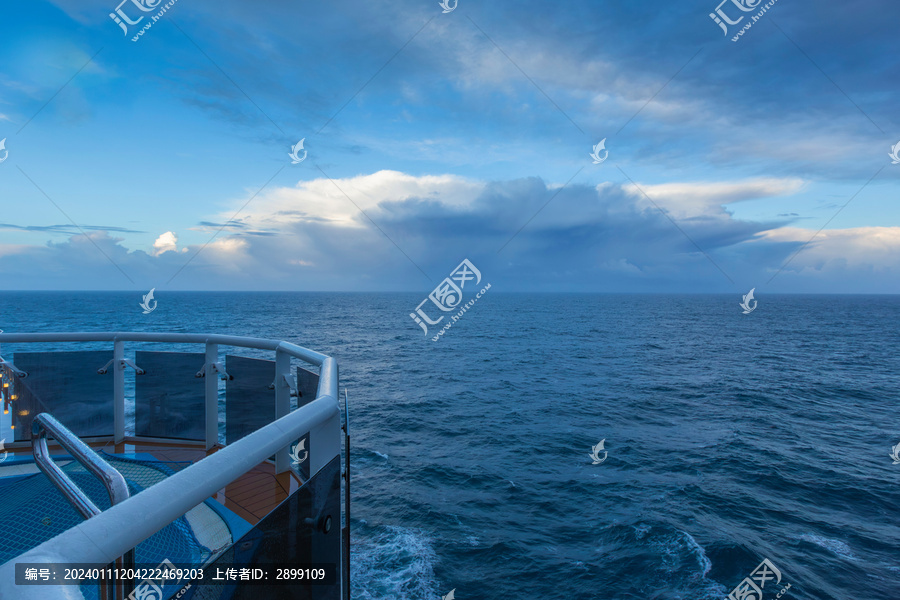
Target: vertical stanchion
(119,390)
(212,395)
(282,404)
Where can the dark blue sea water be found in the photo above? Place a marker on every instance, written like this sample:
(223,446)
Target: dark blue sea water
(731,438)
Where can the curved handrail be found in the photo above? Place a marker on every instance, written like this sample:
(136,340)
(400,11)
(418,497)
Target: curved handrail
(112,480)
(114,531)
(103,538)
(310,356)
(328,379)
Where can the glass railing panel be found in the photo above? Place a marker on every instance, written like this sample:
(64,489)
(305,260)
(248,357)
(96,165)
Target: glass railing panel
(307,386)
(249,396)
(169,399)
(66,385)
(302,532)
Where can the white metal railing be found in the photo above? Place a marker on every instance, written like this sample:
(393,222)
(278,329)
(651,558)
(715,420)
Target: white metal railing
(111,479)
(113,532)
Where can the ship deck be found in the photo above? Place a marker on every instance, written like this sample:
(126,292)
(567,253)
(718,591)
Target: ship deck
(252,496)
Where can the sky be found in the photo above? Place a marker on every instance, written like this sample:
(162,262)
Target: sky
(431,137)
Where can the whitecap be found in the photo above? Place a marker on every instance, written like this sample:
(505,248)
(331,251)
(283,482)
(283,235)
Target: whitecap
(392,563)
(836,547)
(699,552)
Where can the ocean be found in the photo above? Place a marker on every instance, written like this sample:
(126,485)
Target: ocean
(729,439)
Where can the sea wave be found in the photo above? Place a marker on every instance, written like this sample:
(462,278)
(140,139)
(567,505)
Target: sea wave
(389,562)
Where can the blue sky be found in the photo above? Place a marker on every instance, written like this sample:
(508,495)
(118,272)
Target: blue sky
(435,137)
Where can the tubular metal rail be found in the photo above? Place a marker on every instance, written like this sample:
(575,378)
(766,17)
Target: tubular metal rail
(104,538)
(112,480)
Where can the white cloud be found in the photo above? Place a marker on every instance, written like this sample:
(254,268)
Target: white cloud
(695,199)
(875,248)
(587,238)
(165,243)
(325,200)
(11,249)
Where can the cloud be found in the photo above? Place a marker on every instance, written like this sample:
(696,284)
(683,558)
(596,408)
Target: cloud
(699,199)
(580,238)
(7,250)
(833,251)
(339,201)
(167,242)
(67,228)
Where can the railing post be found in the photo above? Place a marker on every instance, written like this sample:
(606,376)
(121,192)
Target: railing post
(119,391)
(212,395)
(282,404)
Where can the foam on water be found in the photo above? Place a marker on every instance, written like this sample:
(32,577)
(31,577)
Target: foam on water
(658,560)
(836,547)
(698,551)
(392,563)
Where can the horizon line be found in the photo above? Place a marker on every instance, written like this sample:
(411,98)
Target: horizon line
(633,293)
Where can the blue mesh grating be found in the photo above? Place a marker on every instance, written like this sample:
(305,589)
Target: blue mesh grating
(33,511)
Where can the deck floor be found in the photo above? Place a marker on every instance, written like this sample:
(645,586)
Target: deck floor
(252,496)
